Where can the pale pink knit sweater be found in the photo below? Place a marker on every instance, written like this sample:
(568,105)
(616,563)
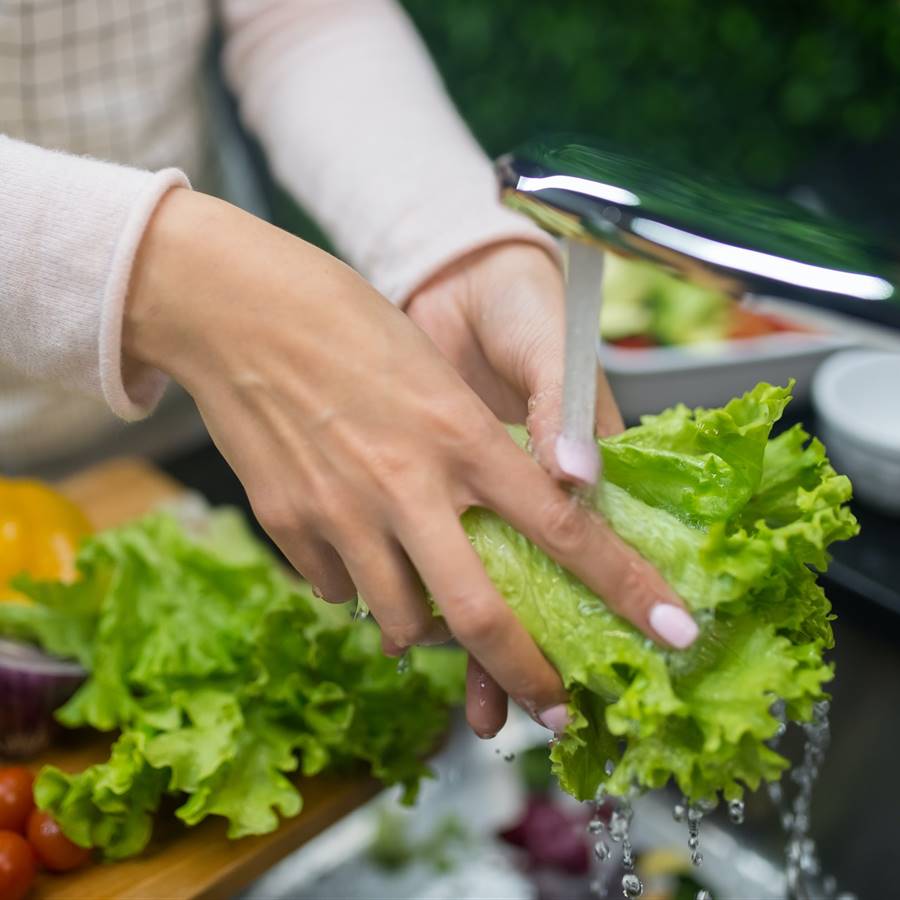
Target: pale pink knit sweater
(355,124)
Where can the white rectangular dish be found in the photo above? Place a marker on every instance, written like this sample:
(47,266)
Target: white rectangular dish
(648,380)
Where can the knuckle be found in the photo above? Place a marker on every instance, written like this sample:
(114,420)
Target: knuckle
(391,468)
(407,634)
(276,513)
(631,596)
(475,620)
(565,526)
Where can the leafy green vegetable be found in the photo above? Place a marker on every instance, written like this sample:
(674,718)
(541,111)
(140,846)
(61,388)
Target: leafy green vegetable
(733,521)
(224,675)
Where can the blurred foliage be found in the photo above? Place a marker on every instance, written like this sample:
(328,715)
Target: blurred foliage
(773,92)
(394,848)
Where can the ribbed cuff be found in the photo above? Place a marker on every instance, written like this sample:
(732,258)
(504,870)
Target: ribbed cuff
(145,384)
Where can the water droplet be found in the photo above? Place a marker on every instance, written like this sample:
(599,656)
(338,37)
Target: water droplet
(619,821)
(595,826)
(631,885)
(509,757)
(829,885)
(601,850)
(787,820)
(403,664)
(845,895)
(601,794)
(704,894)
(482,701)
(609,767)
(776,794)
(693,842)
(679,812)
(736,811)
(697,858)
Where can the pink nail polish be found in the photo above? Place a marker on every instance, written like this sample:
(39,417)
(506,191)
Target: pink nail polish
(673,625)
(577,459)
(556,718)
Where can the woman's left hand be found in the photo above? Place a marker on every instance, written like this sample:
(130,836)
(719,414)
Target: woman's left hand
(498,315)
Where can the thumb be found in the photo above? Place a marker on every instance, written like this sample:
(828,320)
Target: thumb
(566,460)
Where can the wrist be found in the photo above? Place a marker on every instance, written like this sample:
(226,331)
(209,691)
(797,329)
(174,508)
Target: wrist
(164,289)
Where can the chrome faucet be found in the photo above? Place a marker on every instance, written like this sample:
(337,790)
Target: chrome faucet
(701,229)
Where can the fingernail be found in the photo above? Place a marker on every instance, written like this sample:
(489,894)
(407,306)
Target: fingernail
(673,625)
(577,459)
(556,718)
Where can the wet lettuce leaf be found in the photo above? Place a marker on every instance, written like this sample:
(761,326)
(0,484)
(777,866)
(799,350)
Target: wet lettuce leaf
(225,677)
(737,523)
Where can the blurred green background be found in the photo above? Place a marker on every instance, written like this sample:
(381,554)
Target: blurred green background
(778,94)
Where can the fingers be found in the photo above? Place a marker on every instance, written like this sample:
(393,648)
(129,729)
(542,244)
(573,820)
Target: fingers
(563,459)
(485,701)
(582,542)
(319,563)
(477,615)
(394,594)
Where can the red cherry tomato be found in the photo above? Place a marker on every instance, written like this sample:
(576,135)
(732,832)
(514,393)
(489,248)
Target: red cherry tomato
(17,866)
(53,848)
(636,342)
(16,800)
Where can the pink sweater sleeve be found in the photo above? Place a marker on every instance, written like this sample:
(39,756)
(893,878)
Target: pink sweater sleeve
(356,124)
(69,229)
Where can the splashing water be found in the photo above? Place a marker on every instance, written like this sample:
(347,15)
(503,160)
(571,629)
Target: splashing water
(620,831)
(694,815)
(403,664)
(631,885)
(802,865)
(736,811)
(704,895)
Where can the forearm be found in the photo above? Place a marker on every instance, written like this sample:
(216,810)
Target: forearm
(358,127)
(69,229)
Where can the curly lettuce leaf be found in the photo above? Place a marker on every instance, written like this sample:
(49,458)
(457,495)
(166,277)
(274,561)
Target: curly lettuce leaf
(225,677)
(734,521)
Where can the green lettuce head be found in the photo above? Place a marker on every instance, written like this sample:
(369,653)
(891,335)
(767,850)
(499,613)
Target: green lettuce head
(738,524)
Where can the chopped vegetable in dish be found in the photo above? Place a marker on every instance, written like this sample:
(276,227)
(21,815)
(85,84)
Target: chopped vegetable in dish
(644,306)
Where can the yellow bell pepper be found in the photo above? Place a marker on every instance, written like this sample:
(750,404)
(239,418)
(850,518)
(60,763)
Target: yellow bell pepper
(40,531)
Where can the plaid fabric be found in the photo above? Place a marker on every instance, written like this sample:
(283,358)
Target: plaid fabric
(114,79)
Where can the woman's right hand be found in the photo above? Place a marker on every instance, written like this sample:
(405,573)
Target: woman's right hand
(358,445)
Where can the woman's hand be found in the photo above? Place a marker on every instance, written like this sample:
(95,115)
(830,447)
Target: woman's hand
(499,316)
(359,445)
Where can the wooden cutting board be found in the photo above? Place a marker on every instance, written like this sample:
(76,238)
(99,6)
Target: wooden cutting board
(181,863)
